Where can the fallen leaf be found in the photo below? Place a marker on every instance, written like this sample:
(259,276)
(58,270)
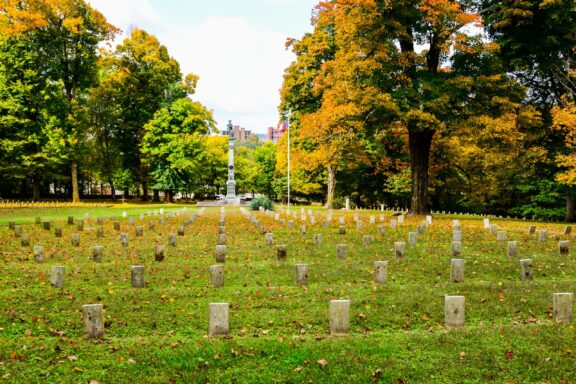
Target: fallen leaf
(322,363)
(73,358)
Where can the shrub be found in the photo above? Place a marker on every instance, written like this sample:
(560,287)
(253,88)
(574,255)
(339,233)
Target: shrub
(258,202)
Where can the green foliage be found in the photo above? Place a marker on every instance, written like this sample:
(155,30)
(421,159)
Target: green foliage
(174,144)
(547,199)
(264,202)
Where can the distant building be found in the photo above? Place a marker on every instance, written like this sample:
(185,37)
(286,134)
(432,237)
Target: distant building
(274,134)
(240,134)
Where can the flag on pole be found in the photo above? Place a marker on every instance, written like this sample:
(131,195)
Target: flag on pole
(283,126)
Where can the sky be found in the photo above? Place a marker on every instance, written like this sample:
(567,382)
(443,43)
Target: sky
(237,47)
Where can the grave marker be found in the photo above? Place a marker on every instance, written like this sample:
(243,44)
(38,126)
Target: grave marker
(457,270)
(301,274)
(339,317)
(454,311)
(381,272)
(562,304)
(218,323)
(137,276)
(93,318)
(57,276)
(217,275)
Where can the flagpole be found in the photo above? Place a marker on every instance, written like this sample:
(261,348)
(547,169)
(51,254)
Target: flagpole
(288,165)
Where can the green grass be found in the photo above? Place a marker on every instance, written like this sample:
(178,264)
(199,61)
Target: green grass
(280,331)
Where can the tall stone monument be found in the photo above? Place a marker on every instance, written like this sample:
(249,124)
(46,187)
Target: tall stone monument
(231,198)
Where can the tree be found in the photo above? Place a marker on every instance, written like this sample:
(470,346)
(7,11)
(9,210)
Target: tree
(29,107)
(265,157)
(140,77)
(174,146)
(67,33)
(537,40)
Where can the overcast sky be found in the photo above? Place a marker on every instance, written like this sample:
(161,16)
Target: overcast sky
(235,46)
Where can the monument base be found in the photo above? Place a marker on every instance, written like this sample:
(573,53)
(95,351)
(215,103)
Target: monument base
(231,201)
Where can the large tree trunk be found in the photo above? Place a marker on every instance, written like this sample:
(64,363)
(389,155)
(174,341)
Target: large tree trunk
(331,186)
(420,142)
(144,190)
(570,209)
(75,189)
(37,187)
(156,197)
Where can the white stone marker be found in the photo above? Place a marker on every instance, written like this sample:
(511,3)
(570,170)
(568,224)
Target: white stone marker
(303,229)
(512,249)
(341,220)
(567,230)
(401,219)
(486,223)
(124,239)
(290,224)
(420,230)
(218,323)
(562,304)
(339,317)
(172,239)
(301,274)
(457,270)
(342,230)
(318,239)
(139,231)
(381,272)
(372,219)
(359,224)
(159,252)
(393,223)
(137,276)
(501,236)
(526,269)
(457,235)
(25,240)
(429,219)
(220,253)
(563,247)
(454,311)
(58,232)
(381,230)
(217,275)
(456,249)
(97,252)
(493,229)
(269,237)
(412,238)
(221,239)
(542,235)
(57,276)
(367,240)
(531,229)
(75,240)
(93,317)
(399,249)
(38,251)
(341,251)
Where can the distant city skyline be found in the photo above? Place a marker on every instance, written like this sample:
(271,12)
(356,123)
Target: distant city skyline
(237,48)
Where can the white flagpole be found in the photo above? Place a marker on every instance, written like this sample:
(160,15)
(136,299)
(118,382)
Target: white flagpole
(288,123)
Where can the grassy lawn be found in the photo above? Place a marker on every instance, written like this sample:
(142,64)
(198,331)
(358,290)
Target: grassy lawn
(280,332)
